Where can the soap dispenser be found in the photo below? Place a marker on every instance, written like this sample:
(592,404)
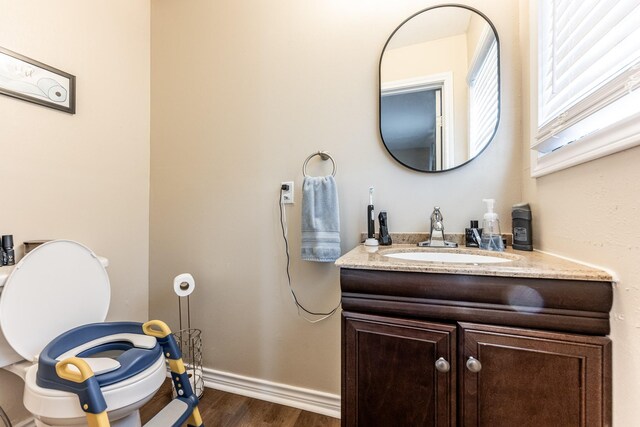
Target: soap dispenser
(491,238)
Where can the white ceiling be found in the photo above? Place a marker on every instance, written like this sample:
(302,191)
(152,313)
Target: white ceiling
(432,24)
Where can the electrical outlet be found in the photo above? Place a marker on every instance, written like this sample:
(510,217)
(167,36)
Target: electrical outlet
(286,196)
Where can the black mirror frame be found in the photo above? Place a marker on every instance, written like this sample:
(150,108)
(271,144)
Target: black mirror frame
(495,130)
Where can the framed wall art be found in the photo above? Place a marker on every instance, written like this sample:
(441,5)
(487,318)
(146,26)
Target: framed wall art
(27,79)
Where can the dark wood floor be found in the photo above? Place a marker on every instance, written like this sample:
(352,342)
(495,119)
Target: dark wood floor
(220,409)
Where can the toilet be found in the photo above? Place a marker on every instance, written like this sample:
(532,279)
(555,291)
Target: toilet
(46,302)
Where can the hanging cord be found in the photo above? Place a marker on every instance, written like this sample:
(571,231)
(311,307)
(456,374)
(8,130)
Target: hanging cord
(5,419)
(285,231)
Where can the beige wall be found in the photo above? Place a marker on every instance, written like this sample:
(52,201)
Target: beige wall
(590,213)
(242,92)
(84,176)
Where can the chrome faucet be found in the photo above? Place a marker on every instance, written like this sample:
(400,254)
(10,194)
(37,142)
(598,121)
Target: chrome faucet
(437,226)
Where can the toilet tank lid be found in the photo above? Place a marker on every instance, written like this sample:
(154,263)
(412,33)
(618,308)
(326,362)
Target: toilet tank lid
(58,286)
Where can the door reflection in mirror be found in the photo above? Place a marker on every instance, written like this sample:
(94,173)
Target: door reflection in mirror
(451,50)
(412,123)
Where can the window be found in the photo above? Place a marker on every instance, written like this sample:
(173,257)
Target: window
(586,57)
(483,92)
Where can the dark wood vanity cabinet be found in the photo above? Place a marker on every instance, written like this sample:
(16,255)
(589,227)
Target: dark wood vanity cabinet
(516,377)
(424,360)
(390,376)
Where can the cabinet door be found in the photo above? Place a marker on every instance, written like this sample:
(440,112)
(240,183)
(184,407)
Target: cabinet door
(389,374)
(533,378)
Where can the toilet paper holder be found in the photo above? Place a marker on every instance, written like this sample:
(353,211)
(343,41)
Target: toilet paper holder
(189,339)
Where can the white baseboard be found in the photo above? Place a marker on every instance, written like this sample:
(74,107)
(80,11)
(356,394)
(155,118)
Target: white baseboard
(283,394)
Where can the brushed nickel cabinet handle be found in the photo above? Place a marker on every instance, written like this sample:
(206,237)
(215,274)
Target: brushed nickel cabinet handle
(474,364)
(442,365)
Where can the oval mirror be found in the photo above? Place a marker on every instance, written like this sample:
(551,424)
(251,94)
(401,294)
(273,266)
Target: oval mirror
(440,88)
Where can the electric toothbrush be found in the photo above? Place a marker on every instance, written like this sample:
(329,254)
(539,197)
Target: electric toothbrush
(371,222)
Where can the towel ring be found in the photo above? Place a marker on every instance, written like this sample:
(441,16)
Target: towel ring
(324,156)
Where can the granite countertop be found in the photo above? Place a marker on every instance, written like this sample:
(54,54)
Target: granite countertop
(524,264)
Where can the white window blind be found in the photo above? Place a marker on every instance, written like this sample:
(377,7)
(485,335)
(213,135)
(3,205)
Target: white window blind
(483,93)
(588,68)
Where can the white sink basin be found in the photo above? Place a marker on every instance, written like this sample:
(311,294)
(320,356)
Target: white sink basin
(447,257)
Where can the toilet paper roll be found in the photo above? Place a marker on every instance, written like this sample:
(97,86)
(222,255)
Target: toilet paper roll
(52,90)
(183,284)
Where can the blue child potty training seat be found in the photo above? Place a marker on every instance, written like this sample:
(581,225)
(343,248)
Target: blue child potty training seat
(142,345)
(88,342)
